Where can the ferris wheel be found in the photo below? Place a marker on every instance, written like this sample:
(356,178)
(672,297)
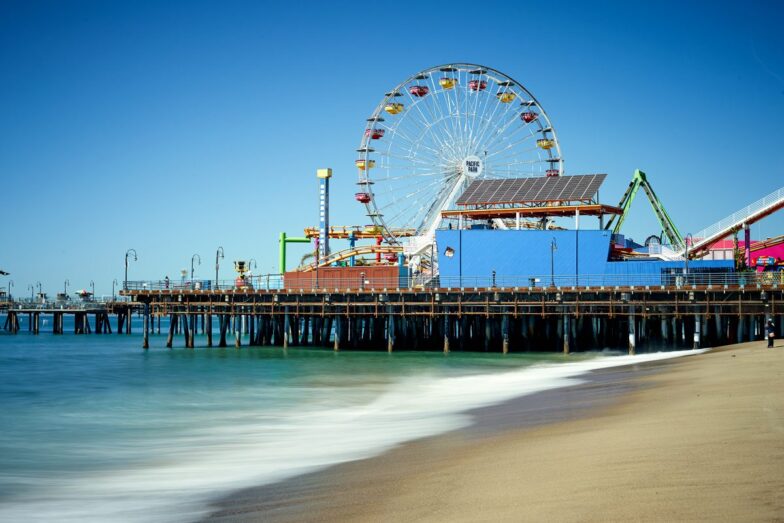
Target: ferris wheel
(437,131)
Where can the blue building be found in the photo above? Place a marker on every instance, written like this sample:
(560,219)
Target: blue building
(472,257)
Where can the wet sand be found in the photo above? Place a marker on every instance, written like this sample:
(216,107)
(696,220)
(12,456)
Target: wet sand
(697,438)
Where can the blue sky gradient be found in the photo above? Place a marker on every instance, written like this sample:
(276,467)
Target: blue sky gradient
(176,127)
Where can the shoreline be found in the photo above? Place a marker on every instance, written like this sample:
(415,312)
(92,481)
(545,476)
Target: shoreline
(310,496)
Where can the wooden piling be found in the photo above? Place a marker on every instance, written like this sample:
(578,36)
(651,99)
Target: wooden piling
(146,340)
(172,328)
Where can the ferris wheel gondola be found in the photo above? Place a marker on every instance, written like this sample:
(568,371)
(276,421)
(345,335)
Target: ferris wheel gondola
(438,130)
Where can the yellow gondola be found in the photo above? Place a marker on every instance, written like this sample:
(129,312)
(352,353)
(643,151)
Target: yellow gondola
(364,164)
(394,108)
(447,83)
(506,97)
(545,143)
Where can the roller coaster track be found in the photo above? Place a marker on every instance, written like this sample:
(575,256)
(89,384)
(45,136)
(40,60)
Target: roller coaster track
(770,242)
(339,256)
(703,240)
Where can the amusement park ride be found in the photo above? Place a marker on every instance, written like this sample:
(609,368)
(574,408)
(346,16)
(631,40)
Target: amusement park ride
(467,146)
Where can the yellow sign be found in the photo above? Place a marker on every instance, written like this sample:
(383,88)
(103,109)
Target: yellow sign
(324,173)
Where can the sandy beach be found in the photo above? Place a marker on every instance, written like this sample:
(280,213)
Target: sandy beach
(696,438)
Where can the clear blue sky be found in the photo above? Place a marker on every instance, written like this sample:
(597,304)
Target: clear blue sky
(176,127)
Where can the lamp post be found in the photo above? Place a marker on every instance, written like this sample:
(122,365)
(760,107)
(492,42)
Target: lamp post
(66,283)
(193,258)
(32,291)
(40,292)
(114,282)
(218,256)
(688,240)
(255,265)
(135,258)
(92,288)
(553,248)
(10,284)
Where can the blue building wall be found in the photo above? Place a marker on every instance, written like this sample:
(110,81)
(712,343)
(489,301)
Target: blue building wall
(656,272)
(516,256)
(521,254)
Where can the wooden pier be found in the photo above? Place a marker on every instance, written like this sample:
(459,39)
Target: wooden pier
(494,319)
(100,312)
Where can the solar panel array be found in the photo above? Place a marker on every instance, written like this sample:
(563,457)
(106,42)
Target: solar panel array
(530,190)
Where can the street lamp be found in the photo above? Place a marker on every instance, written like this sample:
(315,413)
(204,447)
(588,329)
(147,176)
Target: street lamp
(92,288)
(553,248)
(218,256)
(135,258)
(114,282)
(10,284)
(66,283)
(688,240)
(252,261)
(32,291)
(193,258)
(40,292)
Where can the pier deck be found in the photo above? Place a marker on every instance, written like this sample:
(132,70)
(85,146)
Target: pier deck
(689,312)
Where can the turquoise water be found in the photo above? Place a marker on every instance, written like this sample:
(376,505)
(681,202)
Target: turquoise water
(96,429)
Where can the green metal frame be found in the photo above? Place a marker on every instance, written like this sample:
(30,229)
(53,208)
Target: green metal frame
(283,241)
(668,227)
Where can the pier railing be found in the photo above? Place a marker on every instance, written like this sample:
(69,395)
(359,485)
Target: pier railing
(679,279)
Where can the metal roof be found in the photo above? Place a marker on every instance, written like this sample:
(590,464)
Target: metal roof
(529,190)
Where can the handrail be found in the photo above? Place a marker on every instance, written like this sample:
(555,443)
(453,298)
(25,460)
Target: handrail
(734,222)
(675,277)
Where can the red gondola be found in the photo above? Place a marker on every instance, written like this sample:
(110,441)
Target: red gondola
(362,197)
(374,134)
(391,257)
(477,85)
(552,172)
(418,90)
(529,117)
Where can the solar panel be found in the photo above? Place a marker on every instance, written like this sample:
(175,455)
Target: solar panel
(529,190)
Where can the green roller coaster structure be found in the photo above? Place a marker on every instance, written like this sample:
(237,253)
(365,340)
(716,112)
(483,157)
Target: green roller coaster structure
(668,227)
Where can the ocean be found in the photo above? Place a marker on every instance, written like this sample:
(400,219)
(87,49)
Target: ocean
(96,429)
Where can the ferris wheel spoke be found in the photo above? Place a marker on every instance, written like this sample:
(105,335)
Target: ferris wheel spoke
(443,115)
(421,131)
(413,206)
(458,119)
(407,158)
(444,121)
(415,188)
(482,95)
(415,104)
(505,159)
(501,138)
(412,172)
(512,145)
(409,184)
(493,122)
(410,189)
(517,162)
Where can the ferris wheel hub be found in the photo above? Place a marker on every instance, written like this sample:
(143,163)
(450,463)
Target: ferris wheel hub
(471,166)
